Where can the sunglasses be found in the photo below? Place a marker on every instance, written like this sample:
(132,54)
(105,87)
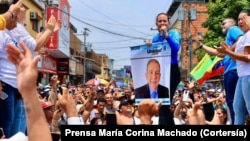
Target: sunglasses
(223,23)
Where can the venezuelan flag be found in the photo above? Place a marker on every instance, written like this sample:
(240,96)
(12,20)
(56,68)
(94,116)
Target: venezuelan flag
(201,68)
(215,69)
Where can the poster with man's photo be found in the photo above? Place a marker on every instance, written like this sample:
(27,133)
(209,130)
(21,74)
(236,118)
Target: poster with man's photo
(150,66)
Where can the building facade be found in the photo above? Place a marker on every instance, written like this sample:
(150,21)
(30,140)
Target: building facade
(187,18)
(76,61)
(65,56)
(105,70)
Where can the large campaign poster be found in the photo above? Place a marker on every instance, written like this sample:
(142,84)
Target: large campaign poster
(150,67)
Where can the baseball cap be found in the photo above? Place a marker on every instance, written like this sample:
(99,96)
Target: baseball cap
(46,104)
(125,102)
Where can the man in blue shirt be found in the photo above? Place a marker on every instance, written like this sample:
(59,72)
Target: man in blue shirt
(233,33)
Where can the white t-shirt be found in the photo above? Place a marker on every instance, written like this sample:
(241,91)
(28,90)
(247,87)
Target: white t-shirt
(75,121)
(14,36)
(178,121)
(242,66)
(17,137)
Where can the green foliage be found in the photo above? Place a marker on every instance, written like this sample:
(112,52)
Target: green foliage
(199,53)
(218,10)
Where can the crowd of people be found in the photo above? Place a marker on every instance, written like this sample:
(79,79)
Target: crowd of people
(110,104)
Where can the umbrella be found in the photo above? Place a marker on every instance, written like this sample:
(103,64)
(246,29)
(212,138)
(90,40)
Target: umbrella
(95,81)
(103,81)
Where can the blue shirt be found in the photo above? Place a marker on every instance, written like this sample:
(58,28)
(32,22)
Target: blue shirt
(173,40)
(233,34)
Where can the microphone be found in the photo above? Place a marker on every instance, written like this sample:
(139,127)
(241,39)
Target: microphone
(161,33)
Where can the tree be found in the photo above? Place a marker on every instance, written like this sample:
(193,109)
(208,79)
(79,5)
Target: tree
(217,11)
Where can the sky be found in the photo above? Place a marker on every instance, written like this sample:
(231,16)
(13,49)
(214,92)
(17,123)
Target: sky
(116,25)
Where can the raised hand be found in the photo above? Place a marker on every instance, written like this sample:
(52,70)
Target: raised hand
(15,8)
(67,103)
(147,109)
(223,47)
(148,42)
(195,115)
(50,25)
(58,26)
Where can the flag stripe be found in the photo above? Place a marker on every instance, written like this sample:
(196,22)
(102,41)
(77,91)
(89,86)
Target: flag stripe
(208,75)
(215,69)
(215,61)
(199,70)
(207,68)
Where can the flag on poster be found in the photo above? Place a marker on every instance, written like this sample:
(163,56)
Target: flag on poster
(151,80)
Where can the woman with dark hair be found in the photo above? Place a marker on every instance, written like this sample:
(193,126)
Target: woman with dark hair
(220,117)
(173,38)
(241,55)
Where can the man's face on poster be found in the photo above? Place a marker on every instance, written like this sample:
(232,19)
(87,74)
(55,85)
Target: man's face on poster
(153,75)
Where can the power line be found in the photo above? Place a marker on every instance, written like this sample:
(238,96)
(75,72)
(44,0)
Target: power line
(99,28)
(112,19)
(114,23)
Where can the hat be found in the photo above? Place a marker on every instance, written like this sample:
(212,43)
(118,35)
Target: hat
(46,104)
(125,102)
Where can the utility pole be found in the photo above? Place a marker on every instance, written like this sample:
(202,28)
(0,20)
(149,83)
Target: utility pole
(189,42)
(85,34)
(188,14)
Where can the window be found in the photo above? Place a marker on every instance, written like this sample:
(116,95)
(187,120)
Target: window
(35,25)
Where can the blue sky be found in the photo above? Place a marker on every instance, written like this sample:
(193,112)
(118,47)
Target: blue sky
(116,25)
